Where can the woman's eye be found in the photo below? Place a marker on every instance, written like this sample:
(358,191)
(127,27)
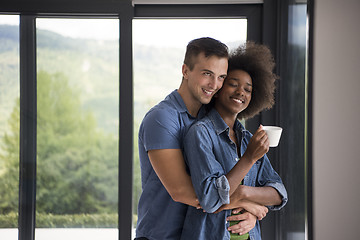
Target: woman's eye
(248,90)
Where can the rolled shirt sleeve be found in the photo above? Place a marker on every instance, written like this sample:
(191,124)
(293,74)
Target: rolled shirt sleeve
(207,175)
(283,194)
(223,186)
(268,177)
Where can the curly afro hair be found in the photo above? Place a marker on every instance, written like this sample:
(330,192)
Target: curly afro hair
(258,62)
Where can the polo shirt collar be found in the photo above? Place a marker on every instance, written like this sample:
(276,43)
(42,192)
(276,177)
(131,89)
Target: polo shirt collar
(178,101)
(180,106)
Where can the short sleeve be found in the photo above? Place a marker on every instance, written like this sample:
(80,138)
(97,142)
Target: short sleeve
(160,129)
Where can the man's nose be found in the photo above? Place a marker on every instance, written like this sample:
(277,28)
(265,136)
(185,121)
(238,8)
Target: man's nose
(212,83)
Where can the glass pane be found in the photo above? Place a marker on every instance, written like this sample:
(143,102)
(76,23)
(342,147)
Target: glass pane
(9,125)
(292,221)
(159,49)
(77,128)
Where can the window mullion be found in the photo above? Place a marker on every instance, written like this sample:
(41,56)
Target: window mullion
(125,127)
(28,113)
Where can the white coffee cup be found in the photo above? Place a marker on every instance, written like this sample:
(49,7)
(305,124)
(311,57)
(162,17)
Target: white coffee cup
(274,134)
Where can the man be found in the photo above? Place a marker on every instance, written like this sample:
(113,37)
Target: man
(165,183)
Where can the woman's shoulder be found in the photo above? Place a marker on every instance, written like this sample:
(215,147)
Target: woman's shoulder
(200,127)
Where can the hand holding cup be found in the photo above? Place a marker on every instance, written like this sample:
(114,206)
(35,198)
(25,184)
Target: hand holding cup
(258,145)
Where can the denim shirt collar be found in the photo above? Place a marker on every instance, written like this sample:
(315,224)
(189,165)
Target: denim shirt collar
(220,126)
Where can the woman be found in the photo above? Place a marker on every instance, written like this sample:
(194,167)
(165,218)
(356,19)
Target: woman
(221,153)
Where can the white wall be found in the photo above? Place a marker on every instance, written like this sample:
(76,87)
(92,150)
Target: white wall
(336,119)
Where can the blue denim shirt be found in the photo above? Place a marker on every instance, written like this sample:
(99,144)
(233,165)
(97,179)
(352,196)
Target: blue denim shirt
(210,154)
(163,127)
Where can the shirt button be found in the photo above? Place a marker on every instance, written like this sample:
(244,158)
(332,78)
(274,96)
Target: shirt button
(236,159)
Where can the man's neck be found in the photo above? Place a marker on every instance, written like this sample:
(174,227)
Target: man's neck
(191,104)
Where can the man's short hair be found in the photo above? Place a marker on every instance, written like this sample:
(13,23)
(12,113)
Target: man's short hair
(208,46)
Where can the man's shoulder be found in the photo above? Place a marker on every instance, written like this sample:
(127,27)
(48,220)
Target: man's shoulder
(163,110)
(162,118)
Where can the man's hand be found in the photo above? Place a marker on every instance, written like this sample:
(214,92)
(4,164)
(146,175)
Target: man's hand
(231,205)
(256,209)
(247,222)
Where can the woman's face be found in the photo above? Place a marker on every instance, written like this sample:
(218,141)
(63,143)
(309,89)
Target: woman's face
(235,95)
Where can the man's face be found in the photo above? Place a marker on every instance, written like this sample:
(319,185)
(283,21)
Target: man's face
(206,77)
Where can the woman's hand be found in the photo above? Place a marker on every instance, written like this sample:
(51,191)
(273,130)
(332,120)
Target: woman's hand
(258,145)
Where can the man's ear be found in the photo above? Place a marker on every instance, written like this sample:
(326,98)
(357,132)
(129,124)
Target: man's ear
(185,71)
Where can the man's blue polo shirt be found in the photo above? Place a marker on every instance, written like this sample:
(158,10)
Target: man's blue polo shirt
(163,127)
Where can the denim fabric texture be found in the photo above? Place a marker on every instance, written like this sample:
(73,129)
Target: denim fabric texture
(210,154)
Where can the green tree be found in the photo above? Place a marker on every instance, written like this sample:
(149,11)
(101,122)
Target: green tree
(9,165)
(76,162)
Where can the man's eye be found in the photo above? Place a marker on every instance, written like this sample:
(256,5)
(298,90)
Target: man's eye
(207,73)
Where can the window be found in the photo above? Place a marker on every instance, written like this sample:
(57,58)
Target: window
(9,125)
(77,128)
(292,98)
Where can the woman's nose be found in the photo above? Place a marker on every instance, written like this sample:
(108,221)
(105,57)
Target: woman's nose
(239,91)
